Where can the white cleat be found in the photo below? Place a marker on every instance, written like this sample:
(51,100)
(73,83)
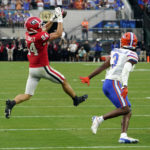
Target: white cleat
(128,140)
(96,121)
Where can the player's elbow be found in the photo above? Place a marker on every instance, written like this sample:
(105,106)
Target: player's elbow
(59,34)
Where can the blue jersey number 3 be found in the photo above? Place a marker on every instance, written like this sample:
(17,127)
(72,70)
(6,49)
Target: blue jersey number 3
(115,59)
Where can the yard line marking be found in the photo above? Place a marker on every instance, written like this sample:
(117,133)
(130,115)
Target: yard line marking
(64,116)
(70,106)
(142,70)
(75,147)
(67,129)
(90,99)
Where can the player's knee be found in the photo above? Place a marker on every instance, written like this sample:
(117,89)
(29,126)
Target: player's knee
(126,109)
(64,82)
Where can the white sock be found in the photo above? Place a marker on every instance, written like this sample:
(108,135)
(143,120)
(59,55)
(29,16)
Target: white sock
(101,119)
(122,135)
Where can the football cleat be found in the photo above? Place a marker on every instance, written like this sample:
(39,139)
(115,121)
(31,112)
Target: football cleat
(96,121)
(8,109)
(128,140)
(78,100)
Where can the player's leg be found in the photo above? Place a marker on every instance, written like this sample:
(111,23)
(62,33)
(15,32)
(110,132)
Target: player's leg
(11,56)
(8,56)
(124,127)
(113,91)
(57,77)
(68,89)
(125,122)
(30,88)
(22,97)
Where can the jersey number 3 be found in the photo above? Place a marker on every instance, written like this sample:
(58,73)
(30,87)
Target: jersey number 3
(115,59)
(33,49)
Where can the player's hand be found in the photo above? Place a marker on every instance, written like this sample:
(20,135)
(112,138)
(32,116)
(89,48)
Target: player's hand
(124,92)
(58,14)
(85,80)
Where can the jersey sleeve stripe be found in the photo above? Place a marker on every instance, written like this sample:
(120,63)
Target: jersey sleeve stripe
(131,56)
(133,60)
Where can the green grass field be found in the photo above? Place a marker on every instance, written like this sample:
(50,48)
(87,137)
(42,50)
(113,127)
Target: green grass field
(49,120)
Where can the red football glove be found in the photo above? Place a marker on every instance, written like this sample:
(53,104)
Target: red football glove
(85,80)
(124,92)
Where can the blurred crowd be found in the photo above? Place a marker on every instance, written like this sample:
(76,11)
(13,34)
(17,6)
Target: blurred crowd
(60,50)
(96,4)
(145,5)
(11,18)
(68,4)
(66,50)
(14,12)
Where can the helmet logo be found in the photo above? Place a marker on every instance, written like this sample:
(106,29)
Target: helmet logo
(33,22)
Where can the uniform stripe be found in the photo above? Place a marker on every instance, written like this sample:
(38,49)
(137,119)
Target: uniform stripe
(133,60)
(132,56)
(52,75)
(120,90)
(56,73)
(131,39)
(117,93)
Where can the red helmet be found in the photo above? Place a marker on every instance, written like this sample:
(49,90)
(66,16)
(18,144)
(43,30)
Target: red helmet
(129,40)
(33,25)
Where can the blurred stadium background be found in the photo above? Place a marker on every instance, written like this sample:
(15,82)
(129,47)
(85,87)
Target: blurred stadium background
(107,20)
(49,121)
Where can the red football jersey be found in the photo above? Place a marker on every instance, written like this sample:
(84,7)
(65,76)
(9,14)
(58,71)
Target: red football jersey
(37,49)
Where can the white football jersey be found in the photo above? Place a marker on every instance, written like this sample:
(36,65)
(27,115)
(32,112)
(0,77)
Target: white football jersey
(118,59)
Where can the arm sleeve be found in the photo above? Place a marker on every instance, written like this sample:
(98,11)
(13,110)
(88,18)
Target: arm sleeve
(132,56)
(125,73)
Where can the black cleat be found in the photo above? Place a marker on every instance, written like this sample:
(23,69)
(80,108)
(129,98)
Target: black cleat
(77,100)
(8,109)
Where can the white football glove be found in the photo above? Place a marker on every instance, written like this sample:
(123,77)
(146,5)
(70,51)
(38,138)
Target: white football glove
(58,14)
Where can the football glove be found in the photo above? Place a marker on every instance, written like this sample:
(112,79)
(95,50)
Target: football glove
(85,80)
(58,14)
(124,92)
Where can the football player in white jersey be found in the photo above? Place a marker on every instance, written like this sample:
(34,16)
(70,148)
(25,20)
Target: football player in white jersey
(115,87)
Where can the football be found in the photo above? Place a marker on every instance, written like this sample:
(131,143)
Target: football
(64,13)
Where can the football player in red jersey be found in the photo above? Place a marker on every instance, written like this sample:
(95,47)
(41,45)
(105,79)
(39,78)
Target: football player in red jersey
(36,39)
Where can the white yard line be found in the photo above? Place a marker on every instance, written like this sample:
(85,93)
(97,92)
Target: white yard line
(64,116)
(67,129)
(91,99)
(70,106)
(76,147)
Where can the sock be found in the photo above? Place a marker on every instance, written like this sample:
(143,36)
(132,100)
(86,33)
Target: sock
(101,119)
(13,103)
(122,135)
(74,98)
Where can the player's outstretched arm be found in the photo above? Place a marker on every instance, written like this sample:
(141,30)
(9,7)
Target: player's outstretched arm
(104,66)
(59,30)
